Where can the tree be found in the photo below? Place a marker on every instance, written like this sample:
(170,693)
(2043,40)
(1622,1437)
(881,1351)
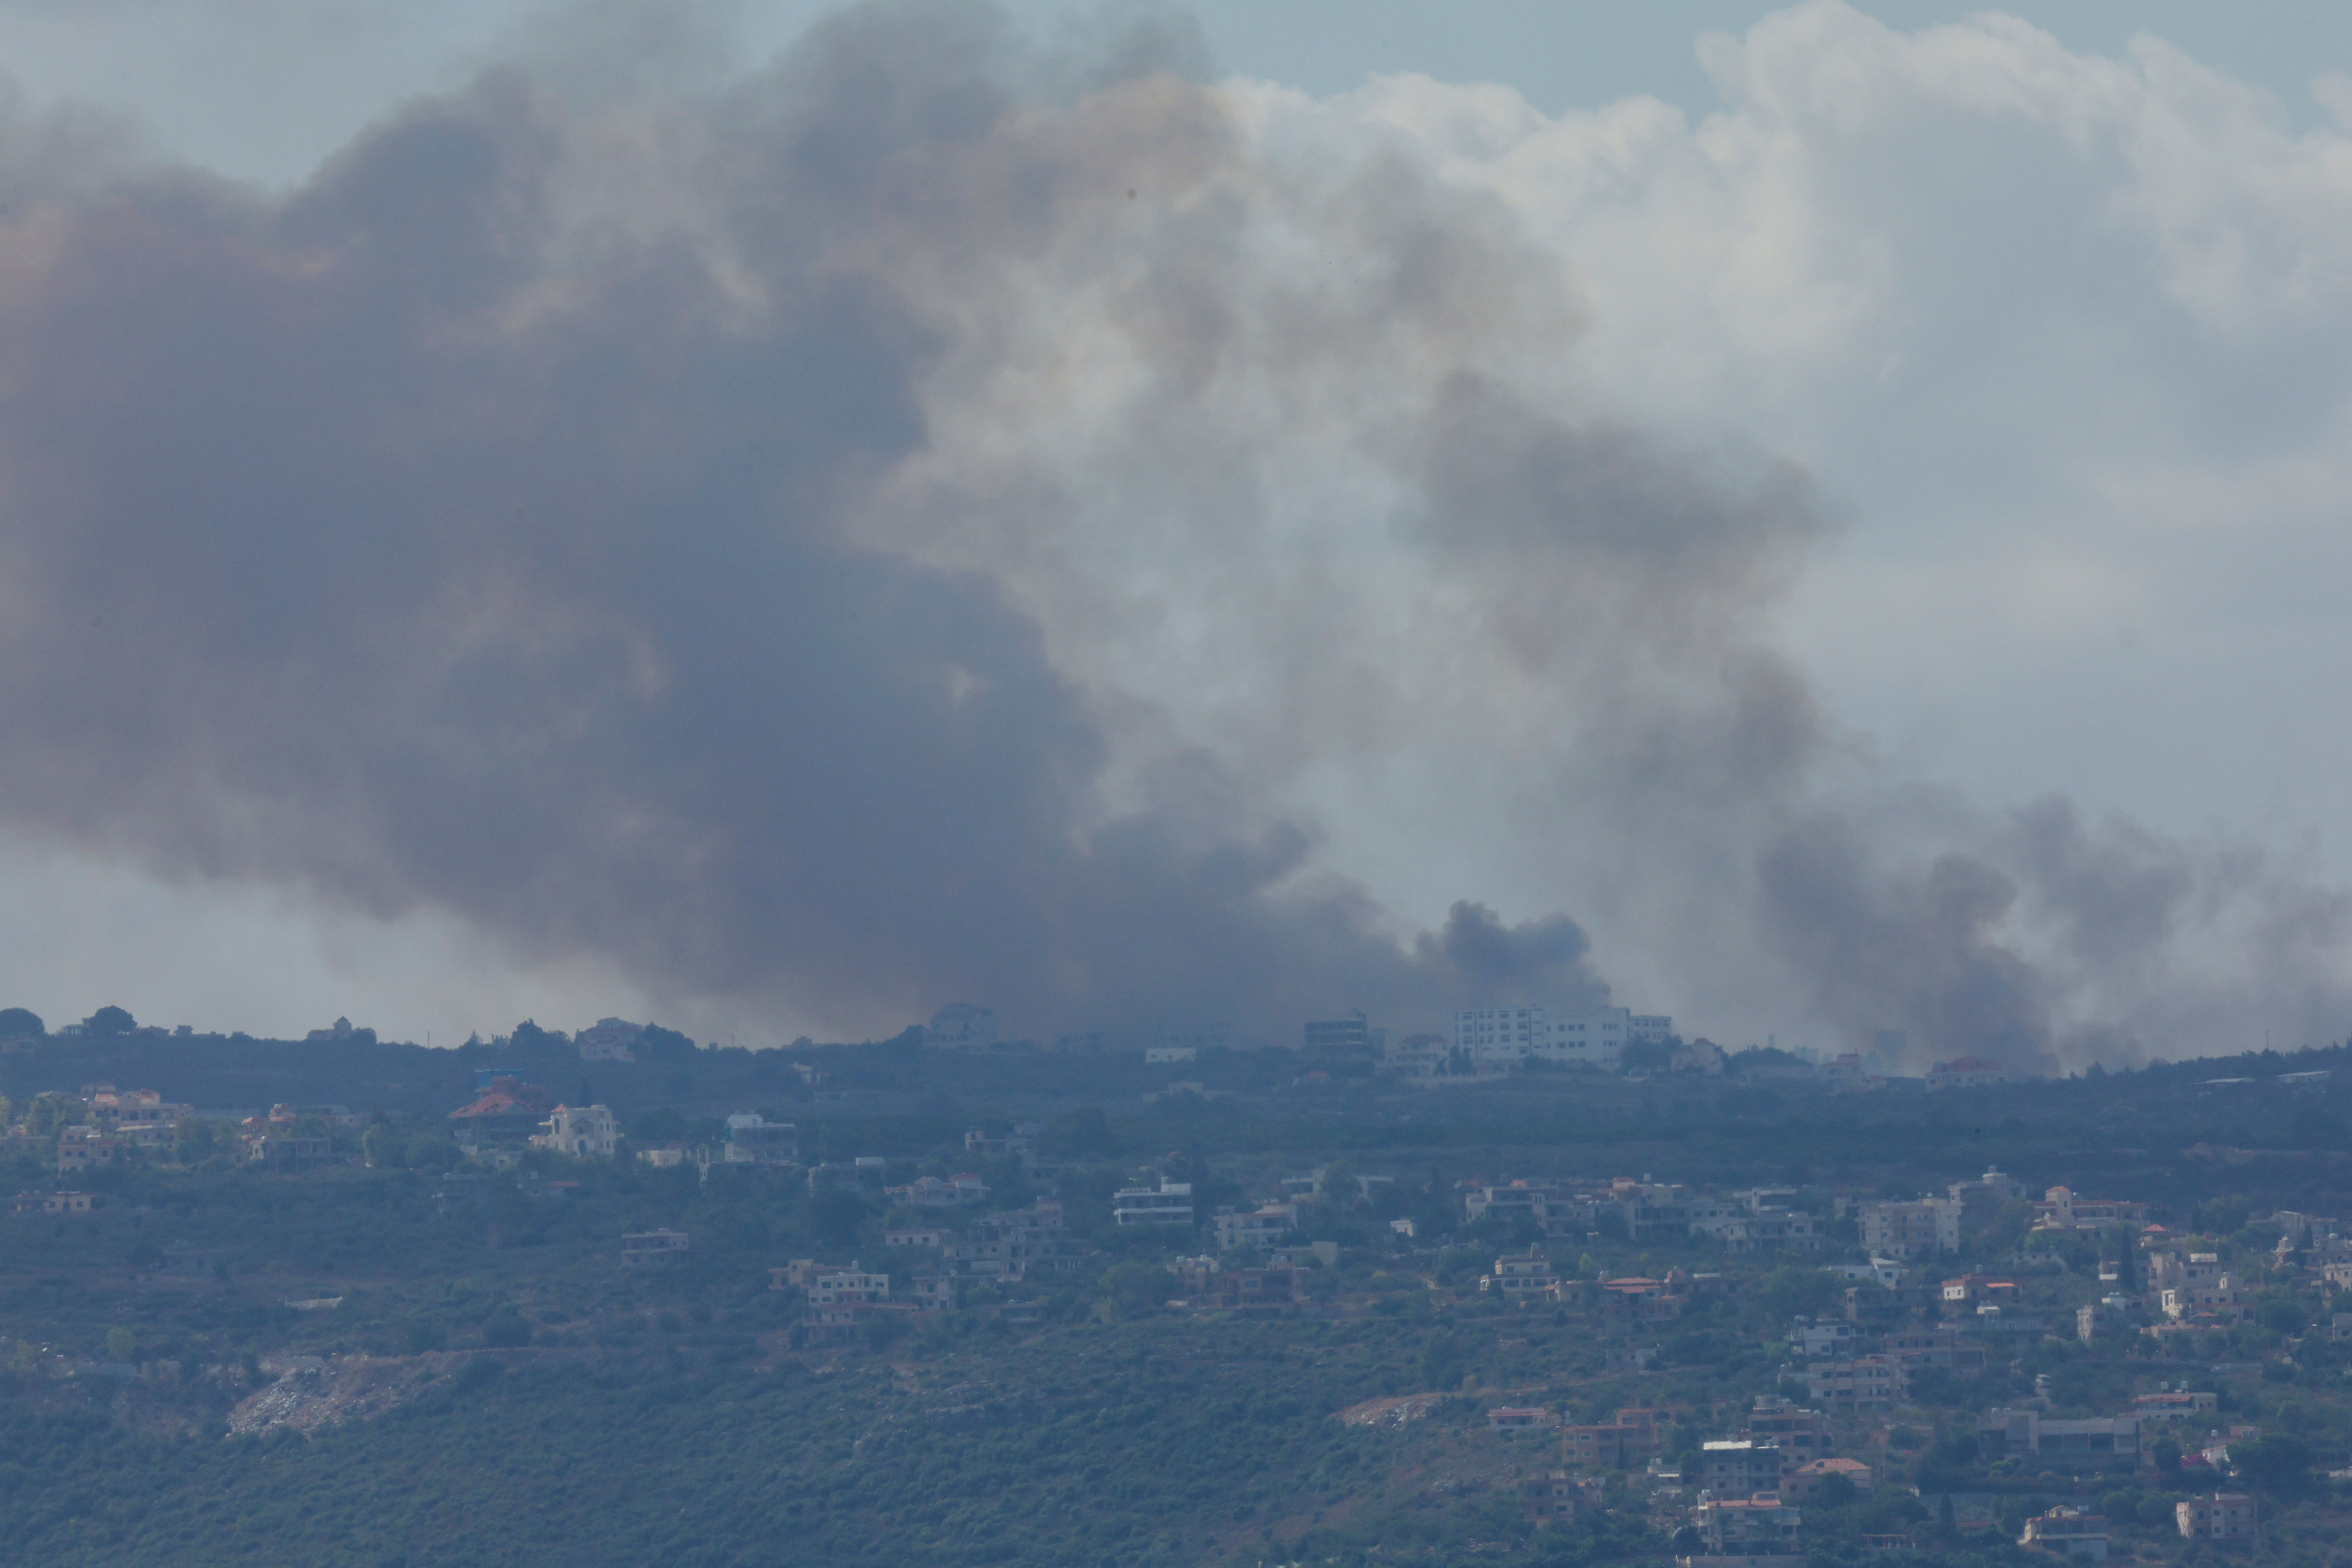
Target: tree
(110,1020)
(1134,1289)
(382,1148)
(2166,1455)
(2279,1464)
(20,1022)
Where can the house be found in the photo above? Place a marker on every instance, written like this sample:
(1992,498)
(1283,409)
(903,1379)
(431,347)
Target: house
(1521,1277)
(583,1131)
(1799,1484)
(1749,1527)
(1277,1291)
(2222,1516)
(1803,1435)
(1630,1439)
(2104,1443)
(1867,1382)
(800,1274)
(1992,1185)
(2174,1405)
(81,1147)
(1514,1419)
(979,1145)
(288,1153)
(1548,1209)
(653,1248)
(865,1171)
(1824,1339)
(1262,1226)
(1927,1228)
(1968,1072)
(1550,1497)
(610,1040)
(2070,1532)
(935,1292)
(753,1140)
(915,1235)
(507,1109)
(959,1025)
(849,1287)
(1949,1348)
(931,1193)
(1740,1467)
(2059,1209)
(1170,1203)
(1971,1291)
(52,1203)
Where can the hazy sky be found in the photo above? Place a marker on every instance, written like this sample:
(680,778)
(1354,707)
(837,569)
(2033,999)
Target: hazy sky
(2045,311)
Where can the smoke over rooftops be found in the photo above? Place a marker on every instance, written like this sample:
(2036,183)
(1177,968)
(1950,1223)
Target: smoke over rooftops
(913,523)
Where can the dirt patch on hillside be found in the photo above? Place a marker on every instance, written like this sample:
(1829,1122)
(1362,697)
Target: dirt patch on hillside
(1389,1412)
(347,1388)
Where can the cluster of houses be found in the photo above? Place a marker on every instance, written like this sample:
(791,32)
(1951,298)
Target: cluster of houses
(1003,1250)
(1745,1501)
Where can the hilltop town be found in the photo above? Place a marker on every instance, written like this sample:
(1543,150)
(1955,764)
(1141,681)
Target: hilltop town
(1733,1307)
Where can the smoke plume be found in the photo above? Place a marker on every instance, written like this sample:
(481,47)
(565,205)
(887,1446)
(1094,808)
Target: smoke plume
(932,520)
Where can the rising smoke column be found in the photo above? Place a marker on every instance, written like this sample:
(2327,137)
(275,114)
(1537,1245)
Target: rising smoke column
(915,523)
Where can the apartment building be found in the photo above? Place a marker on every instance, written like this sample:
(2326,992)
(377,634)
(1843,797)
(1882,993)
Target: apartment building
(1925,1227)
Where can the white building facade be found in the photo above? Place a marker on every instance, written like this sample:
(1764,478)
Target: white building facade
(1498,1038)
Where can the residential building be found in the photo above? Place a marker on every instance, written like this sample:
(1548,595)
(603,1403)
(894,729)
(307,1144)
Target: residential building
(2174,1405)
(1759,1229)
(611,1040)
(52,1203)
(1749,1527)
(959,1026)
(1548,1208)
(1970,1291)
(1350,1035)
(1800,1484)
(1521,1277)
(1649,1029)
(2059,1209)
(1865,1382)
(1513,1420)
(288,1154)
(1013,1246)
(1499,1038)
(1740,1467)
(800,1274)
(868,1171)
(1803,1434)
(935,1292)
(1632,1438)
(1825,1340)
(1928,1227)
(1170,1203)
(1168,1056)
(979,1145)
(915,1235)
(2220,1299)
(1948,1348)
(508,1109)
(585,1131)
(2104,1443)
(2070,1532)
(850,1286)
(2222,1516)
(1550,1497)
(1992,1185)
(1415,1056)
(653,1248)
(753,1140)
(1266,1226)
(1277,1291)
(1968,1072)
(931,1192)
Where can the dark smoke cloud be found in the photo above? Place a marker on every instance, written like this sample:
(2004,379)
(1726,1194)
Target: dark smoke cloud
(695,531)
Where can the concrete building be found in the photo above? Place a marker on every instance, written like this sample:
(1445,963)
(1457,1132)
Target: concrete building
(1740,1467)
(1800,1484)
(959,1025)
(1515,1420)
(753,1140)
(2222,1516)
(1496,1039)
(1170,1203)
(1803,1435)
(1264,1226)
(583,1131)
(2059,1209)
(2070,1532)
(611,1040)
(1749,1527)
(1968,1072)
(1521,1277)
(1867,1382)
(2104,1443)
(1927,1228)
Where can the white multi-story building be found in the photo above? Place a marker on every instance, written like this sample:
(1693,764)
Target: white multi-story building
(1927,1228)
(1496,1038)
(589,1131)
(1170,1203)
